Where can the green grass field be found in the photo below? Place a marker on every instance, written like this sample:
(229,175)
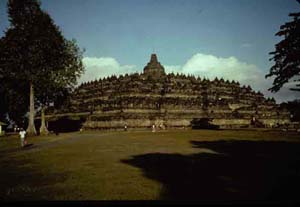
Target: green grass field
(200,165)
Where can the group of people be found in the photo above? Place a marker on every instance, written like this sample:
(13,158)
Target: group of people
(161,126)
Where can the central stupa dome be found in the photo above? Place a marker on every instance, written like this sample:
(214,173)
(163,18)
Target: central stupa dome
(154,68)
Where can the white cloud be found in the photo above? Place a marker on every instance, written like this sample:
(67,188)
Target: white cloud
(203,65)
(231,68)
(96,68)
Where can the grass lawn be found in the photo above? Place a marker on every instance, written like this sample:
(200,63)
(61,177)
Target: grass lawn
(200,165)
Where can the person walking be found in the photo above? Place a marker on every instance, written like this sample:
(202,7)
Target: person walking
(22,134)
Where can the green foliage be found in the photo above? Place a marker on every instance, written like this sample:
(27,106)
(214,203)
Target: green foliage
(32,42)
(33,50)
(294,108)
(13,101)
(287,55)
(56,85)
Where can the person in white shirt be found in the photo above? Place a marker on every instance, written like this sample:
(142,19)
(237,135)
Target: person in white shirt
(153,128)
(22,136)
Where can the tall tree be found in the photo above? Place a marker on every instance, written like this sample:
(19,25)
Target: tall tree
(60,83)
(35,52)
(11,92)
(287,55)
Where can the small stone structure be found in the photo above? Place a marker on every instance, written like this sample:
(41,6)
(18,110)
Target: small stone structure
(169,100)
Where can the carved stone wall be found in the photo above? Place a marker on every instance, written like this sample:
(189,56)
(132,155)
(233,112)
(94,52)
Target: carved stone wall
(154,97)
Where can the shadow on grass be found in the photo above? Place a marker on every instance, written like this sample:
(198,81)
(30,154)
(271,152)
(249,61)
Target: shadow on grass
(18,149)
(237,171)
(21,180)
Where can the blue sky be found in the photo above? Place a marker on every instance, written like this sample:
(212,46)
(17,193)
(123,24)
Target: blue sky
(229,38)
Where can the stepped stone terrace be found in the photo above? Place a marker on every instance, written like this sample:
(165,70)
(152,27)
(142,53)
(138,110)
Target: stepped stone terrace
(168,100)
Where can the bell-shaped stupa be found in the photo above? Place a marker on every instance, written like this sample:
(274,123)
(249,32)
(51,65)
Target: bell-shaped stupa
(154,68)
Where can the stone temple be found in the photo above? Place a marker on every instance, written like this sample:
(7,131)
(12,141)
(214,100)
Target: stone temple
(168,100)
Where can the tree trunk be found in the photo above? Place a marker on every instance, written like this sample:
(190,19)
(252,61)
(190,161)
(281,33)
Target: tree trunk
(43,129)
(31,127)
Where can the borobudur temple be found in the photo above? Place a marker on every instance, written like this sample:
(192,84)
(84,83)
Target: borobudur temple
(141,100)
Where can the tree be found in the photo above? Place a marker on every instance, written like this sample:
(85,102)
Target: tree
(293,107)
(35,52)
(12,93)
(287,55)
(59,84)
